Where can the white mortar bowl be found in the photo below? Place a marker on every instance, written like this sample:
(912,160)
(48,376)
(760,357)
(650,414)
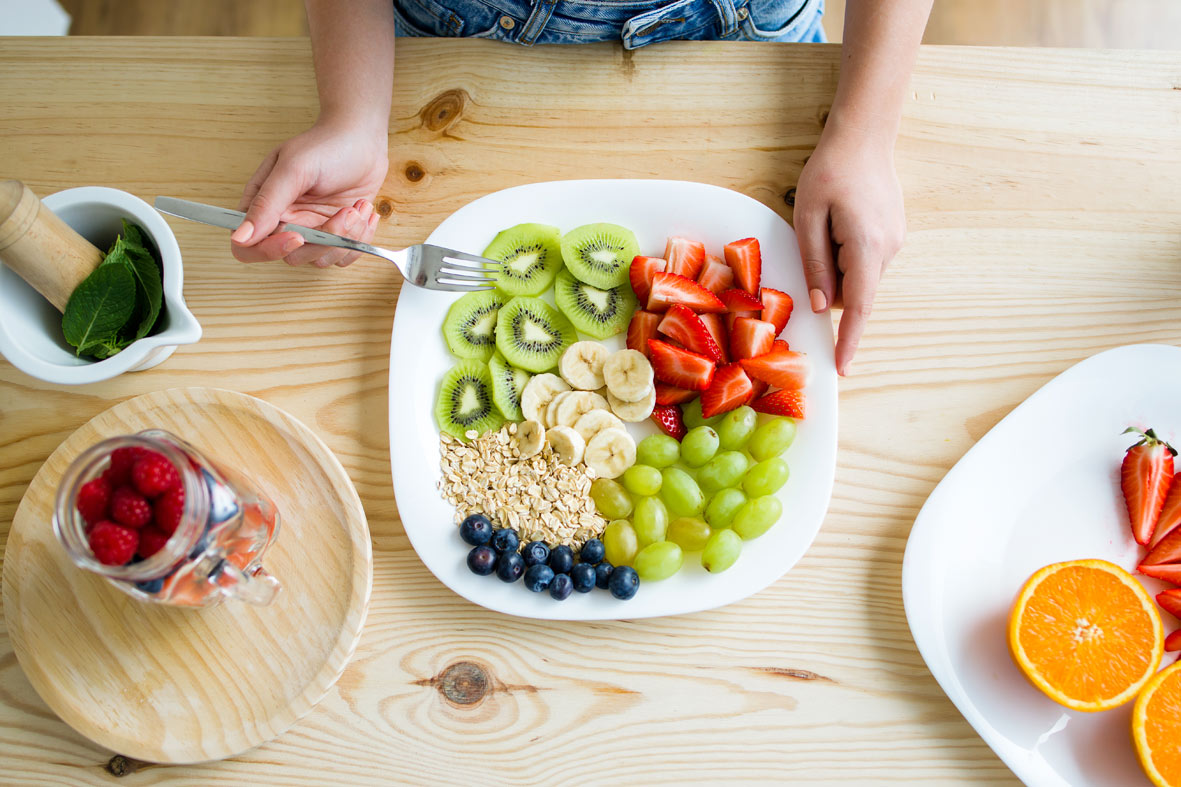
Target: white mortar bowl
(30,327)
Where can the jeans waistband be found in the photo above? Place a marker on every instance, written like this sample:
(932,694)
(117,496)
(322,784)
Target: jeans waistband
(674,20)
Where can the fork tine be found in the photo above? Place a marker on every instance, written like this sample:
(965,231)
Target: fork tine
(463,276)
(458,257)
(445,287)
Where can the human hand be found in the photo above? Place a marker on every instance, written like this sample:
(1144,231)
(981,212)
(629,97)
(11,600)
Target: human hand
(850,223)
(324,178)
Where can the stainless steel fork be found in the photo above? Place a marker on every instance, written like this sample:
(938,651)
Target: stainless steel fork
(425,265)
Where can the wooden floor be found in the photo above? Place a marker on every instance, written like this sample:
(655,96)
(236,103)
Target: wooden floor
(1119,24)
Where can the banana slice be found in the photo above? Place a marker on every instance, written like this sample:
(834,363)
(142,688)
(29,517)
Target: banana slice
(538,393)
(551,410)
(610,452)
(569,445)
(590,424)
(577,404)
(628,375)
(582,365)
(633,412)
(530,438)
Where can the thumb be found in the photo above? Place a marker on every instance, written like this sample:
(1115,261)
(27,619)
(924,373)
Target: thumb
(283,185)
(815,239)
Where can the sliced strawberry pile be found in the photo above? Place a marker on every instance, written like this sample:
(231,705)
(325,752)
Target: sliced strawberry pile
(711,330)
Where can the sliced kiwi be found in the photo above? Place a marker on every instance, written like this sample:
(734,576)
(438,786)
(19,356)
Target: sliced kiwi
(465,400)
(600,254)
(532,335)
(507,383)
(531,253)
(595,312)
(470,326)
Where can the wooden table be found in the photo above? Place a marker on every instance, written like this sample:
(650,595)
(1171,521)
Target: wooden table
(1045,225)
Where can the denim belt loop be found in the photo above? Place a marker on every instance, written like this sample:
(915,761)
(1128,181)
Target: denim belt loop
(728,15)
(535,24)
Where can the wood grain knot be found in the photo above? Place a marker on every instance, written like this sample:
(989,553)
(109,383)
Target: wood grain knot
(446,108)
(414,172)
(463,683)
(121,766)
(792,673)
(384,208)
(790,197)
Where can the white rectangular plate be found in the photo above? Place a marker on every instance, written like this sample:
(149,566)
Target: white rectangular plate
(654,210)
(1041,487)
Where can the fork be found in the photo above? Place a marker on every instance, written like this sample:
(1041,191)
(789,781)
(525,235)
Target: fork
(424,265)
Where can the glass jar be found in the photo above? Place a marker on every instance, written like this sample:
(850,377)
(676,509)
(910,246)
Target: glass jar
(215,551)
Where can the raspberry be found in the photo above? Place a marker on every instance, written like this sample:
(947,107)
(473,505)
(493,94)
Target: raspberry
(118,473)
(169,509)
(92,499)
(151,541)
(112,544)
(129,508)
(153,475)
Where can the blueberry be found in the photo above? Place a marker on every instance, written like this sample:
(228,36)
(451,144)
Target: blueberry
(624,583)
(482,560)
(510,567)
(476,530)
(505,540)
(561,587)
(152,586)
(223,505)
(583,577)
(561,560)
(535,553)
(538,576)
(592,552)
(603,574)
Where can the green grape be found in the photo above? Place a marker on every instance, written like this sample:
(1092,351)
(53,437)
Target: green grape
(650,520)
(658,450)
(756,516)
(725,504)
(736,427)
(681,493)
(619,543)
(699,446)
(659,561)
(691,414)
(611,499)
(772,438)
(766,477)
(642,480)
(724,470)
(689,533)
(721,551)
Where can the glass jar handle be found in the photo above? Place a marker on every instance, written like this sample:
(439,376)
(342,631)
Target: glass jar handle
(255,586)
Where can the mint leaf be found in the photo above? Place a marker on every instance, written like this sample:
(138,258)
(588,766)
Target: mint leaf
(149,290)
(133,235)
(99,306)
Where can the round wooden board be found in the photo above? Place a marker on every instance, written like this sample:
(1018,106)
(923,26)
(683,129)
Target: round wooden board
(182,685)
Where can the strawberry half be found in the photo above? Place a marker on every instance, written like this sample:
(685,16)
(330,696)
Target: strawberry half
(760,388)
(681,324)
(716,276)
(668,418)
(740,303)
(779,345)
(670,288)
(1145,476)
(1173,641)
(1170,514)
(681,368)
(642,328)
(750,337)
(777,308)
(1167,550)
(1169,572)
(783,369)
(684,256)
(730,388)
(641,272)
(670,394)
(746,259)
(717,329)
(785,402)
(1170,601)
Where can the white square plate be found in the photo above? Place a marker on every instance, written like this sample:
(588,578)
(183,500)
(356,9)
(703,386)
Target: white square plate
(1041,487)
(654,210)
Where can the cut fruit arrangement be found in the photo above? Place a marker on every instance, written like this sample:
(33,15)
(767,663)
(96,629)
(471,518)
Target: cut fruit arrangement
(702,352)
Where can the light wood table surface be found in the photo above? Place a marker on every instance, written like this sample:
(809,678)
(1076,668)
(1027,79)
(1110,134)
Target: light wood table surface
(1044,198)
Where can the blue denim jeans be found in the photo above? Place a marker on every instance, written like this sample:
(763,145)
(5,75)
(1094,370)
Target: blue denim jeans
(635,22)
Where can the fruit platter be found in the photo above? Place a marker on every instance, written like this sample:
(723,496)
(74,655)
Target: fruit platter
(635,422)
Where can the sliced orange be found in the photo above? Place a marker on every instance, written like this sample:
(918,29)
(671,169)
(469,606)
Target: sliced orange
(1156,727)
(1086,633)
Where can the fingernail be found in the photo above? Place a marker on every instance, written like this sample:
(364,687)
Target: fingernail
(243,233)
(351,221)
(819,302)
(292,245)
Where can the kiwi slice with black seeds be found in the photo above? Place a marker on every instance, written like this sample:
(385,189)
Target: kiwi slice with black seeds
(531,255)
(600,254)
(470,325)
(466,401)
(532,335)
(507,383)
(595,312)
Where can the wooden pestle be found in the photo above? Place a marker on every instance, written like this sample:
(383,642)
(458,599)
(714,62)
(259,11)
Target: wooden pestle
(40,247)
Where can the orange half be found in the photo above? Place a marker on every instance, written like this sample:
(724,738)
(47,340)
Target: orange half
(1156,727)
(1086,633)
